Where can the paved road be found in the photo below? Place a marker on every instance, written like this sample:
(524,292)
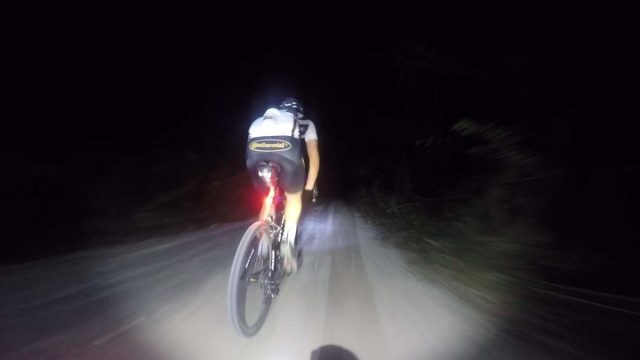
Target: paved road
(165,298)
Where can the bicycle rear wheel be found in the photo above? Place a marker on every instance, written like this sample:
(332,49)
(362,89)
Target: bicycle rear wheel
(248,300)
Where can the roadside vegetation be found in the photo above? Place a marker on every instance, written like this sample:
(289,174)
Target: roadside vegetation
(481,232)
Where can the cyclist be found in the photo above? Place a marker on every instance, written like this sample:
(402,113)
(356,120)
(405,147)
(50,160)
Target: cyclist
(277,136)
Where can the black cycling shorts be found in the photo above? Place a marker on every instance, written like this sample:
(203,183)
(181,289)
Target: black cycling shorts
(288,157)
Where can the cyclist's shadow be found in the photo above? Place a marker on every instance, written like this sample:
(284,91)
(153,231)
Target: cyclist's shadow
(332,352)
(305,237)
(303,240)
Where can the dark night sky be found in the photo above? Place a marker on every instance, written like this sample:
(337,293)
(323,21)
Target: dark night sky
(98,74)
(113,77)
(126,78)
(109,83)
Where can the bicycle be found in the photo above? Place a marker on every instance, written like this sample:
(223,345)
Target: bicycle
(257,267)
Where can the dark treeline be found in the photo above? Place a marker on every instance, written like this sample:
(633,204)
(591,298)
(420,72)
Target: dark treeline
(526,133)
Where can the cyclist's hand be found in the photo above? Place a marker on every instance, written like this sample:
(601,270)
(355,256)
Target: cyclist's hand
(307,197)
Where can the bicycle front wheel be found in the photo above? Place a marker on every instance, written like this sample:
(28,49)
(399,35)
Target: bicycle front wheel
(248,300)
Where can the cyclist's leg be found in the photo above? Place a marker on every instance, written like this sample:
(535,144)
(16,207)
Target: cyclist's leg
(292,212)
(265,209)
(292,181)
(292,215)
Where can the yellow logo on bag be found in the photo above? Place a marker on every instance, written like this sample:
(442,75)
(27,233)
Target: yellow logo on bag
(270,145)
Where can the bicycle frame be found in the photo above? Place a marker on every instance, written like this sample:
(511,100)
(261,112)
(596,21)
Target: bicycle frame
(257,260)
(275,219)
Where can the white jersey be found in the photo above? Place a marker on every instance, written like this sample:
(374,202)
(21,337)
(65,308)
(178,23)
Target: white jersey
(280,123)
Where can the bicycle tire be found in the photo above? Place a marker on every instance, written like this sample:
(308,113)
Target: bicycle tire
(237,288)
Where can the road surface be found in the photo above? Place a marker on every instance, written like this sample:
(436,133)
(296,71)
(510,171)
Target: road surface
(165,298)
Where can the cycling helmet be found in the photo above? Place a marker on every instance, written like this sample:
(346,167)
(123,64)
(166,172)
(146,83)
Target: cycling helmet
(293,106)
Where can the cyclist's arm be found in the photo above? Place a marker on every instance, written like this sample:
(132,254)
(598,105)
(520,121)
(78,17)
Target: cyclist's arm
(314,163)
